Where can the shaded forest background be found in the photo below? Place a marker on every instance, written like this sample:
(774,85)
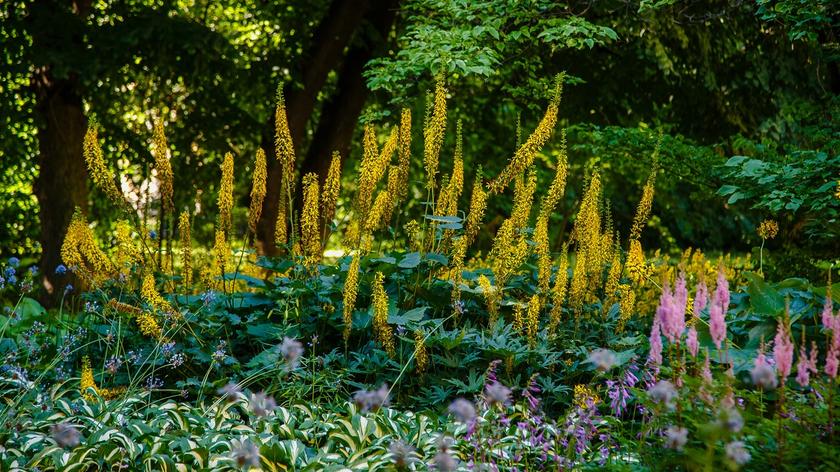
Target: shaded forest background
(745,94)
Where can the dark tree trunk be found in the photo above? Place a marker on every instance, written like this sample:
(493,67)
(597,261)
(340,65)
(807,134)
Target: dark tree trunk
(61,184)
(329,42)
(341,112)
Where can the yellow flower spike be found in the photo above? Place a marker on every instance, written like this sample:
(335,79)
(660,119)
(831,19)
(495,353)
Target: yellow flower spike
(558,290)
(257,191)
(478,205)
(87,382)
(518,319)
(332,187)
(351,290)
(627,302)
(309,223)
(524,156)
(149,326)
(377,212)
(404,153)
(489,298)
(637,269)
(533,320)
(577,291)
(163,166)
(127,251)
(283,147)
(459,253)
(543,255)
(415,236)
(221,252)
(97,169)
(646,202)
(80,252)
(558,184)
(393,189)
(611,286)
(421,357)
(523,199)
(382,330)
(225,200)
(281,231)
(152,297)
(186,249)
(373,168)
(433,135)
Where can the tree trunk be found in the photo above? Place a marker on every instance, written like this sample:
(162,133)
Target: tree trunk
(61,184)
(341,112)
(329,42)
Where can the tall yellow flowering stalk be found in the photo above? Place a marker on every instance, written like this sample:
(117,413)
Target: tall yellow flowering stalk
(478,205)
(421,357)
(433,135)
(459,253)
(372,169)
(163,166)
(558,290)
(558,184)
(382,330)
(332,187)
(577,290)
(281,230)
(80,252)
(148,325)
(613,278)
(225,200)
(152,297)
(97,169)
(523,200)
(186,249)
(257,191)
(87,382)
(627,301)
(447,204)
(220,258)
(404,154)
(533,320)
(310,230)
(351,290)
(543,255)
(128,253)
(490,299)
(283,147)
(524,156)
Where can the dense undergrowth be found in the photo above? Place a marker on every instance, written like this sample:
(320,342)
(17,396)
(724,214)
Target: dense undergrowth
(380,339)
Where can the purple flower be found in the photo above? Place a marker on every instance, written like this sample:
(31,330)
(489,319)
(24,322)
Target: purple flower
(783,351)
(402,454)
(371,400)
(262,404)
(246,454)
(496,393)
(663,393)
(65,435)
(463,410)
(701,298)
(291,350)
(691,341)
(718,309)
(602,359)
(676,437)
(737,453)
(763,375)
(230,391)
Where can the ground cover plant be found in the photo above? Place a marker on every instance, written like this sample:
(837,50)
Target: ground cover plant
(379,338)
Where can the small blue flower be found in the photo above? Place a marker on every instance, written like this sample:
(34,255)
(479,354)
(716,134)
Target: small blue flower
(10,272)
(153,234)
(14,261)
(61,269)
(33,270)
(68,288)
(11,279)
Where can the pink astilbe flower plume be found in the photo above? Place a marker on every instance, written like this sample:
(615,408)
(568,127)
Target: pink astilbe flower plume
(655,355)
(718,309)
(828,319)
(701,298)
(807,365)
(783,350)
(691,341)
(832,360)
